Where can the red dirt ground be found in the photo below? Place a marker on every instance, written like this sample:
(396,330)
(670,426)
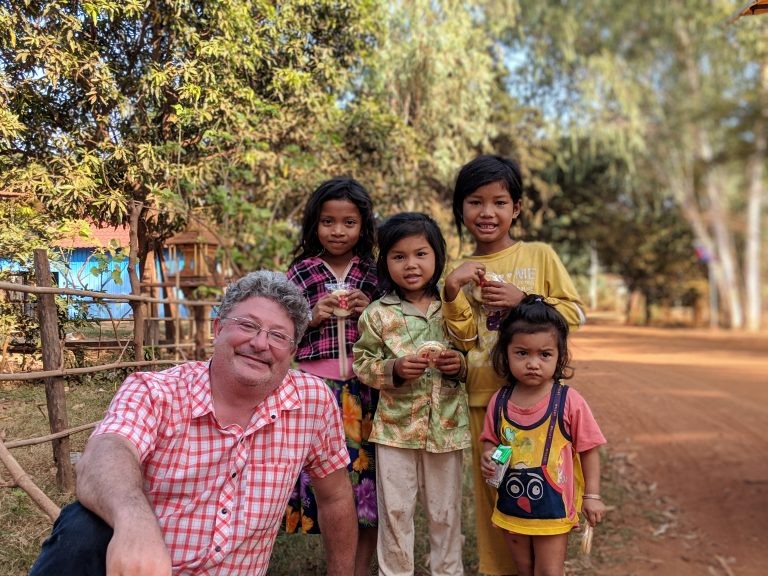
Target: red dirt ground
(685,413)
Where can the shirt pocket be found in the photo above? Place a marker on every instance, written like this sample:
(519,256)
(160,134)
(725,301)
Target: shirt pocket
(266,491)
(453,405)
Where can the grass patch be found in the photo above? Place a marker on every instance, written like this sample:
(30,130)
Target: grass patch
(23,414)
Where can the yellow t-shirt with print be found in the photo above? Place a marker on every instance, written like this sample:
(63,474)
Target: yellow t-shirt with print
(534,268)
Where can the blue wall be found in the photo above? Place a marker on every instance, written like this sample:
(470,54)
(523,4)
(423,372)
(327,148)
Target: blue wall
(76,273)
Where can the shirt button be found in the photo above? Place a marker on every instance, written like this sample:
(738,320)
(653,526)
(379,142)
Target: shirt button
(273,416)
(218,548)
(234,474)
(223,510)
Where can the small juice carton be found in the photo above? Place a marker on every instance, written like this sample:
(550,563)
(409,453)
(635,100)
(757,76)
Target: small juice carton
(501,457)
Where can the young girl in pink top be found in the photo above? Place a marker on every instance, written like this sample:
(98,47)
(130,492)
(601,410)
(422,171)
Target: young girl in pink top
(553,472)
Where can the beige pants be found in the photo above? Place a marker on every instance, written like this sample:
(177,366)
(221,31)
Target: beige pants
(402,475)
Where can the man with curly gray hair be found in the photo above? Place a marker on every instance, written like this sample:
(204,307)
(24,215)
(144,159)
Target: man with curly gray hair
(191,469)
(271,285)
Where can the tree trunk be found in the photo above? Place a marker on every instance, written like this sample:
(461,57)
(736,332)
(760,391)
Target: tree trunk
(201,316)
(756,190)
(636,314)
(594,272)
(721,239)
(727,265)
(148,280)
(679,174)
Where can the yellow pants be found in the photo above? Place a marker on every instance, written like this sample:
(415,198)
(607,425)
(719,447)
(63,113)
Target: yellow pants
(492,550)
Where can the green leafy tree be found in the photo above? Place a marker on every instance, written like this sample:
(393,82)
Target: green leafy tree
(431,82)
(433,94)
(111,103)
(135,111)
(639,234)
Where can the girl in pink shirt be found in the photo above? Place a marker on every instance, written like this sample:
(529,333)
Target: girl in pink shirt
(553,472)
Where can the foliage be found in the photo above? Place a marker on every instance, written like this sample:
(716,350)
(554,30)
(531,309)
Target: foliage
(433,80)
(673,92)
(638,232)
(24,229)
(109,260)
(238,109)
(109,103)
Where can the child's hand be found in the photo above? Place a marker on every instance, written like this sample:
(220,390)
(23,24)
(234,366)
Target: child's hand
(468,272)
(357,301)
(323,309)
(488,467)
(449,362)
(593,511)
(501,294)
(410,366)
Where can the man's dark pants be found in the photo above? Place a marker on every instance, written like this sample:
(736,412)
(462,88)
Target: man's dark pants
(77,545)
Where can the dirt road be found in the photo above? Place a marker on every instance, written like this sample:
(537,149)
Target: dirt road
(686,416)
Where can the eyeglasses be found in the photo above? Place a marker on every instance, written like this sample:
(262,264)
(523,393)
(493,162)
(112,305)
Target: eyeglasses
(274,338)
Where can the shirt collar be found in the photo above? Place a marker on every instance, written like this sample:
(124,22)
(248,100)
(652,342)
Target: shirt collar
(286,397)
(317,260)
(392,299)
(200,386)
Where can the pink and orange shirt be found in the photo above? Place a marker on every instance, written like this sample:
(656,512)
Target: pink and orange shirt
(220,493)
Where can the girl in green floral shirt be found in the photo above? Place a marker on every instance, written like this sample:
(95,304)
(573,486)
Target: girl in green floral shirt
(421,426)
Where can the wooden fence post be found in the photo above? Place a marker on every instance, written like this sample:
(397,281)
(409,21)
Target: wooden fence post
(137,306)
(200,314)
(54,386)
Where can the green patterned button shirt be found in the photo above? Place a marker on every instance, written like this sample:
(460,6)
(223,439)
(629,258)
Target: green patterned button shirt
(428,413)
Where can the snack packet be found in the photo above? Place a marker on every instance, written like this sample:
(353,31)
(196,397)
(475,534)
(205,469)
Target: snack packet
(430,350)
(342,290)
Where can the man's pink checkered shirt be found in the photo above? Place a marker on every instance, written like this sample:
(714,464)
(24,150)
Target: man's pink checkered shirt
(220,493)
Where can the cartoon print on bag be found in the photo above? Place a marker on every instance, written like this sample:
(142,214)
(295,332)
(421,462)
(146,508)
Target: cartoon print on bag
(529,493)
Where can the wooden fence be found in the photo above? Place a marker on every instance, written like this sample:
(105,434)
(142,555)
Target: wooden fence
(52,349)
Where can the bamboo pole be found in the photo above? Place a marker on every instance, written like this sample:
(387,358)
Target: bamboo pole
(49,437)
(137,306)
(12,287)
(85,370)
(24,482)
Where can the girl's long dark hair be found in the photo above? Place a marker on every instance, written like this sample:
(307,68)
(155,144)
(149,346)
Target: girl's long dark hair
(531,316)
(401,226)
(337,189)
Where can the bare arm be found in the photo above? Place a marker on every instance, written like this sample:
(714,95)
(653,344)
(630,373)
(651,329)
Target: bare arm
(337,516)
(109,483)
(593,508)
